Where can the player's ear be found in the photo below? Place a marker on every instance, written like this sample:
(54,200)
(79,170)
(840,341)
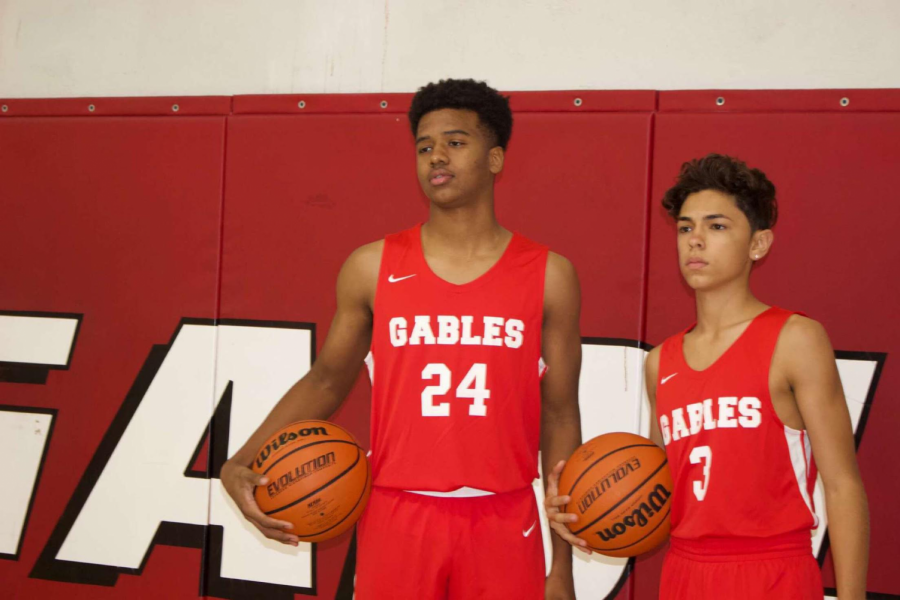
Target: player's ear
(496,156)
(761,243)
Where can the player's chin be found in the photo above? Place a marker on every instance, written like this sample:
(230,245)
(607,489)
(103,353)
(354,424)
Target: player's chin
(445,198)
(698,281)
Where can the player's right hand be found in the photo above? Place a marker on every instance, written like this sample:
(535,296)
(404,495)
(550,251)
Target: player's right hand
(240,483)
(557,519)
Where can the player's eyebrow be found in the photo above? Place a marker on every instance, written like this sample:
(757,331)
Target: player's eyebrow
(451,132)
(705,218)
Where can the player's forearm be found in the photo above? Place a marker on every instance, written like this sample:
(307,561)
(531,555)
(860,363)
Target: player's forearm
(312,397)
(848,530)
(561,435)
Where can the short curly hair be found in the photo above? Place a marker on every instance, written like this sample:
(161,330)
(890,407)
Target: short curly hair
(491,107)
(752,191)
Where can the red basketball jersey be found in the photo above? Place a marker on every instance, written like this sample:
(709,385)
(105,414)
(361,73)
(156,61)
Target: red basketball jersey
(456,371)
(738,471)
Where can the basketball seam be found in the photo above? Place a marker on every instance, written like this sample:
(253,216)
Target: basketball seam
(347,516)
(624,498)
(593,464)
(316,491)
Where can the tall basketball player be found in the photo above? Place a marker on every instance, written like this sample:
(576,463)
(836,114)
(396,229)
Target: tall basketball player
(745,398)
(461,316)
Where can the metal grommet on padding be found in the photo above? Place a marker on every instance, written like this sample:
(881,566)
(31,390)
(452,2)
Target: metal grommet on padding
(5,108)
(91,107)
(175,108)
(301,104)
(383,104)
(720,101)
(845,101)
(577,102)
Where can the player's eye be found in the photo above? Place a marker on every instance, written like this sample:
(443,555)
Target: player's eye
(684,229)
(424,149)
(719,227)
(455,143)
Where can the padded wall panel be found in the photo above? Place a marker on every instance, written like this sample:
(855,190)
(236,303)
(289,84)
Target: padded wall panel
(835,257)
(114,223)
(110,238)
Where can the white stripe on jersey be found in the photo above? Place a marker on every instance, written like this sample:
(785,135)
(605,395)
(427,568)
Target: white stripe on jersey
(370,365)
(801,455)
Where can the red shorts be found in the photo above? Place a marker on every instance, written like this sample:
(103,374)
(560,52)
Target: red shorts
(783,571)
(418,547)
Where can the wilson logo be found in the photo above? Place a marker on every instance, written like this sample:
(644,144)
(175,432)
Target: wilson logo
(640,517)
(286,438)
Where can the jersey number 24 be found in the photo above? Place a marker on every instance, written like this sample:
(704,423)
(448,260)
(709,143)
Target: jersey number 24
(472,386)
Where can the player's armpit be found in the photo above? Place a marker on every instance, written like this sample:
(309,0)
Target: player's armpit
(811,370)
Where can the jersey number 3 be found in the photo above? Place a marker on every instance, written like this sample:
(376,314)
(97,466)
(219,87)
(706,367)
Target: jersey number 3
(702,454)
(472,386)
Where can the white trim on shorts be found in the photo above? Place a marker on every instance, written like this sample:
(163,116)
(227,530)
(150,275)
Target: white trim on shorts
(463,492)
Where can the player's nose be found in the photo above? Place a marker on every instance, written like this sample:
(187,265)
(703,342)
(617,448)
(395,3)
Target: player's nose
(437,156)
(696,240)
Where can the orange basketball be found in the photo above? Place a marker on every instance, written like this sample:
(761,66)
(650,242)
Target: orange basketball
(319,479)
(620,487)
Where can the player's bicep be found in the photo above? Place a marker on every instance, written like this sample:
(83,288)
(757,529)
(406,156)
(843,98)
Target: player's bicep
(813,376)
(350,334)
(651,374)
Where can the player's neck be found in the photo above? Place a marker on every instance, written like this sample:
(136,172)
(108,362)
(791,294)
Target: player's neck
(467,229)
(721,308)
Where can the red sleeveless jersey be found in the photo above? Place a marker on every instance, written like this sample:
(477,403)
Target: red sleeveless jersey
(456,371)
(739,473)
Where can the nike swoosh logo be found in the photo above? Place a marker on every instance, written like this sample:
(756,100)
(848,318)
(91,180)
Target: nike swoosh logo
(393,279)
(665,379)
(527,532)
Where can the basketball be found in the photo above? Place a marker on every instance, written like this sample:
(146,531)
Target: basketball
(319,479)
(620,487)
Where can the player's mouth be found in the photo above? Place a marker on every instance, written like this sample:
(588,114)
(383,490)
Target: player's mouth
(696,263)
(439,177)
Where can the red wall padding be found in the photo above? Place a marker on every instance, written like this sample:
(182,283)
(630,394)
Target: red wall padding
(115,219)
(136,223)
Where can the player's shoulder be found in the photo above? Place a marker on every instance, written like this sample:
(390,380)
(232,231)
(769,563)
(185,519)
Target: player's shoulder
(803,346)
(358,278)
(561,288)
(366,258)
(560,268)
(800,331)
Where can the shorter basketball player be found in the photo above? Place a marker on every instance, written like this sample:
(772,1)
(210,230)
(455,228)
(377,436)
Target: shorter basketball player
(744,399)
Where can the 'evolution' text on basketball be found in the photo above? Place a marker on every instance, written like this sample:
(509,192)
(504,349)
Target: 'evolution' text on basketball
(604,484)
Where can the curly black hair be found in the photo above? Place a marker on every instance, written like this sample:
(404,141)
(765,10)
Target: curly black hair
(467,94)
(752,191)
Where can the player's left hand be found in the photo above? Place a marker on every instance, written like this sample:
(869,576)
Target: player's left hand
(558,519)
(559,587)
